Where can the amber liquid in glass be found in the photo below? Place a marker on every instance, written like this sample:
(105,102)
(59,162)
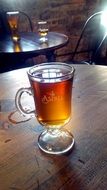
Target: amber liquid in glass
(43,32)
(53,102)
(13,20)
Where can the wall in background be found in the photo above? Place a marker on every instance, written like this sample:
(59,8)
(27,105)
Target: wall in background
(66,16)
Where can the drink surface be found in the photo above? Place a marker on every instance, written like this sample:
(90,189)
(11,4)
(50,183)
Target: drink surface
(52,96)
(43,32)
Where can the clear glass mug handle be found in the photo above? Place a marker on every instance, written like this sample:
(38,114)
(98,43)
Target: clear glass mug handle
(18,102)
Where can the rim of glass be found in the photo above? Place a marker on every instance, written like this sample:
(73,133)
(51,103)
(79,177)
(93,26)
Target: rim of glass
(12,12)
(53,64)
(42,22)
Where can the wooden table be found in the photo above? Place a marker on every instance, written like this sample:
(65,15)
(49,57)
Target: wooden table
(12,54)
(24,167)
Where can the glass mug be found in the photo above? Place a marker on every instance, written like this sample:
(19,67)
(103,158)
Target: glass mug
(51,86)
(13,18)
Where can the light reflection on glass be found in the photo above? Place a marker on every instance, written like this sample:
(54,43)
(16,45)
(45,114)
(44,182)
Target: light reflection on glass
(17,47)
(51,75)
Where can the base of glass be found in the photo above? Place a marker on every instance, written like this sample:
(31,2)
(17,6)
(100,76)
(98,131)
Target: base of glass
(55,141)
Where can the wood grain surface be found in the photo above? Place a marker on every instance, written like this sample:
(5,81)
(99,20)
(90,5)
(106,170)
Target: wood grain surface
(24,167)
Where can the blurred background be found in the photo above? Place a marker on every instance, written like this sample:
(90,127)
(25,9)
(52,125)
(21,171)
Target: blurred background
(65,16)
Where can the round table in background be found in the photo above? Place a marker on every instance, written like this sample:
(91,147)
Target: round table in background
(12,55)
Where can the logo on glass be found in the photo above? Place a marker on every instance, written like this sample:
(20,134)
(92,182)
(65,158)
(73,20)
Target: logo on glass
(51,97)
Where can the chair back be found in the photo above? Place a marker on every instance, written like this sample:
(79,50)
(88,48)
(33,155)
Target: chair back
(25,22)
(91,39)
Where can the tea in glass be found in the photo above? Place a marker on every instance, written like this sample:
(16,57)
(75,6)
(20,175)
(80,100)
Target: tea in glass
(51,86)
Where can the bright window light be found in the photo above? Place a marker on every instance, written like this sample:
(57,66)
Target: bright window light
(104,19)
